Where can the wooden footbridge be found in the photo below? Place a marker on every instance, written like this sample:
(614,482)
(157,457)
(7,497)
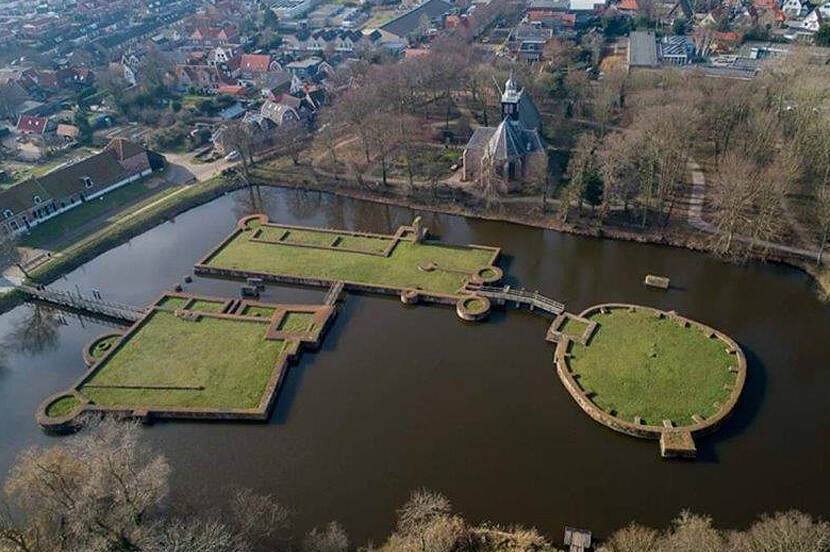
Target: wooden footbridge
(85,304)
(520,297)
(334,293)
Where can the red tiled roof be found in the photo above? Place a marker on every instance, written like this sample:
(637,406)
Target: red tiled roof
(232,90)
(629,5)
(31,124)
(255,63)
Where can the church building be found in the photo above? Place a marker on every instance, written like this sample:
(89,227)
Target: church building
(507,148)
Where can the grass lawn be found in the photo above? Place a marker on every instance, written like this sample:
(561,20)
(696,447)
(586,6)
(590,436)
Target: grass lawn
(399,270)
(206,306)
(304,237)
(62,407)
(170,302)
(640,365)
(168,351)
(253,310)
(573,327)
(101,346)
(51,231)
(362,243)
(296,322)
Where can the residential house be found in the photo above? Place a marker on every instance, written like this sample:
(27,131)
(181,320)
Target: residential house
(272,85)
(279,113)
(527,40)
(42,198)
(202,78)
(38,126)
(68,132)
(794,9)
(252,65)
(627,7)
(507,150)
(816,18)
(215,35)
(304,68)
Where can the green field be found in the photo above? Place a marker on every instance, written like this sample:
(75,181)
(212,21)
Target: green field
(168,351)
(206,306)
(253,310)
(296,322)
(573,327)
(62,407)
(639,365)
(171,302)
(399,270)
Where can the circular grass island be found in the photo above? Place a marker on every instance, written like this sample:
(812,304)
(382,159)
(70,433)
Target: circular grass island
(100,346)
(58,412)
(472,307)
(653,374)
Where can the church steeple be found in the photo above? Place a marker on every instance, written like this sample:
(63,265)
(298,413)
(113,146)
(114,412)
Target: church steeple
(510,99)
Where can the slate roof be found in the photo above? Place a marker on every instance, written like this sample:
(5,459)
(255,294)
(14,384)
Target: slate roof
(123,149)
(21,197)
(406,24)
(102,168)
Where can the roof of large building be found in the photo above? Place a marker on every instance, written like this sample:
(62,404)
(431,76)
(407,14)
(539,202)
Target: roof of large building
(255,63)
(642,49)
(103,170)
(35,125)
(406,24)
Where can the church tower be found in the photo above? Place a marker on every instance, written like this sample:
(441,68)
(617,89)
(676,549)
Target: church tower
(510,100)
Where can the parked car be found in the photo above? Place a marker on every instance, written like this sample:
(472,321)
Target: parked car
(232,156)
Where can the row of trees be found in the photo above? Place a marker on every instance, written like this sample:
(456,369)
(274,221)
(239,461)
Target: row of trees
(760,141)
(105,490)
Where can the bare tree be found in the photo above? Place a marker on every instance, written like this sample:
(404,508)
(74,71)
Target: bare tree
(97,491)
(10,253)
(634,538)
(785,531)
(331,538)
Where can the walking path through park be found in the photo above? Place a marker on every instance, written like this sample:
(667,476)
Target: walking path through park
(695,217)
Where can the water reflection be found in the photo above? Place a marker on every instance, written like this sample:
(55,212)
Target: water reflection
(37,331)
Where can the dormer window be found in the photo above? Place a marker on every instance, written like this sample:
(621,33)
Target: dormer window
(8,213)
(87,182)
(36,199)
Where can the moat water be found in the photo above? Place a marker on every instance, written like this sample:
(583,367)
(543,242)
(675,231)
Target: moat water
(399,398)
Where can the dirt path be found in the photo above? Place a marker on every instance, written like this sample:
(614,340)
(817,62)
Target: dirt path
(695,218)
